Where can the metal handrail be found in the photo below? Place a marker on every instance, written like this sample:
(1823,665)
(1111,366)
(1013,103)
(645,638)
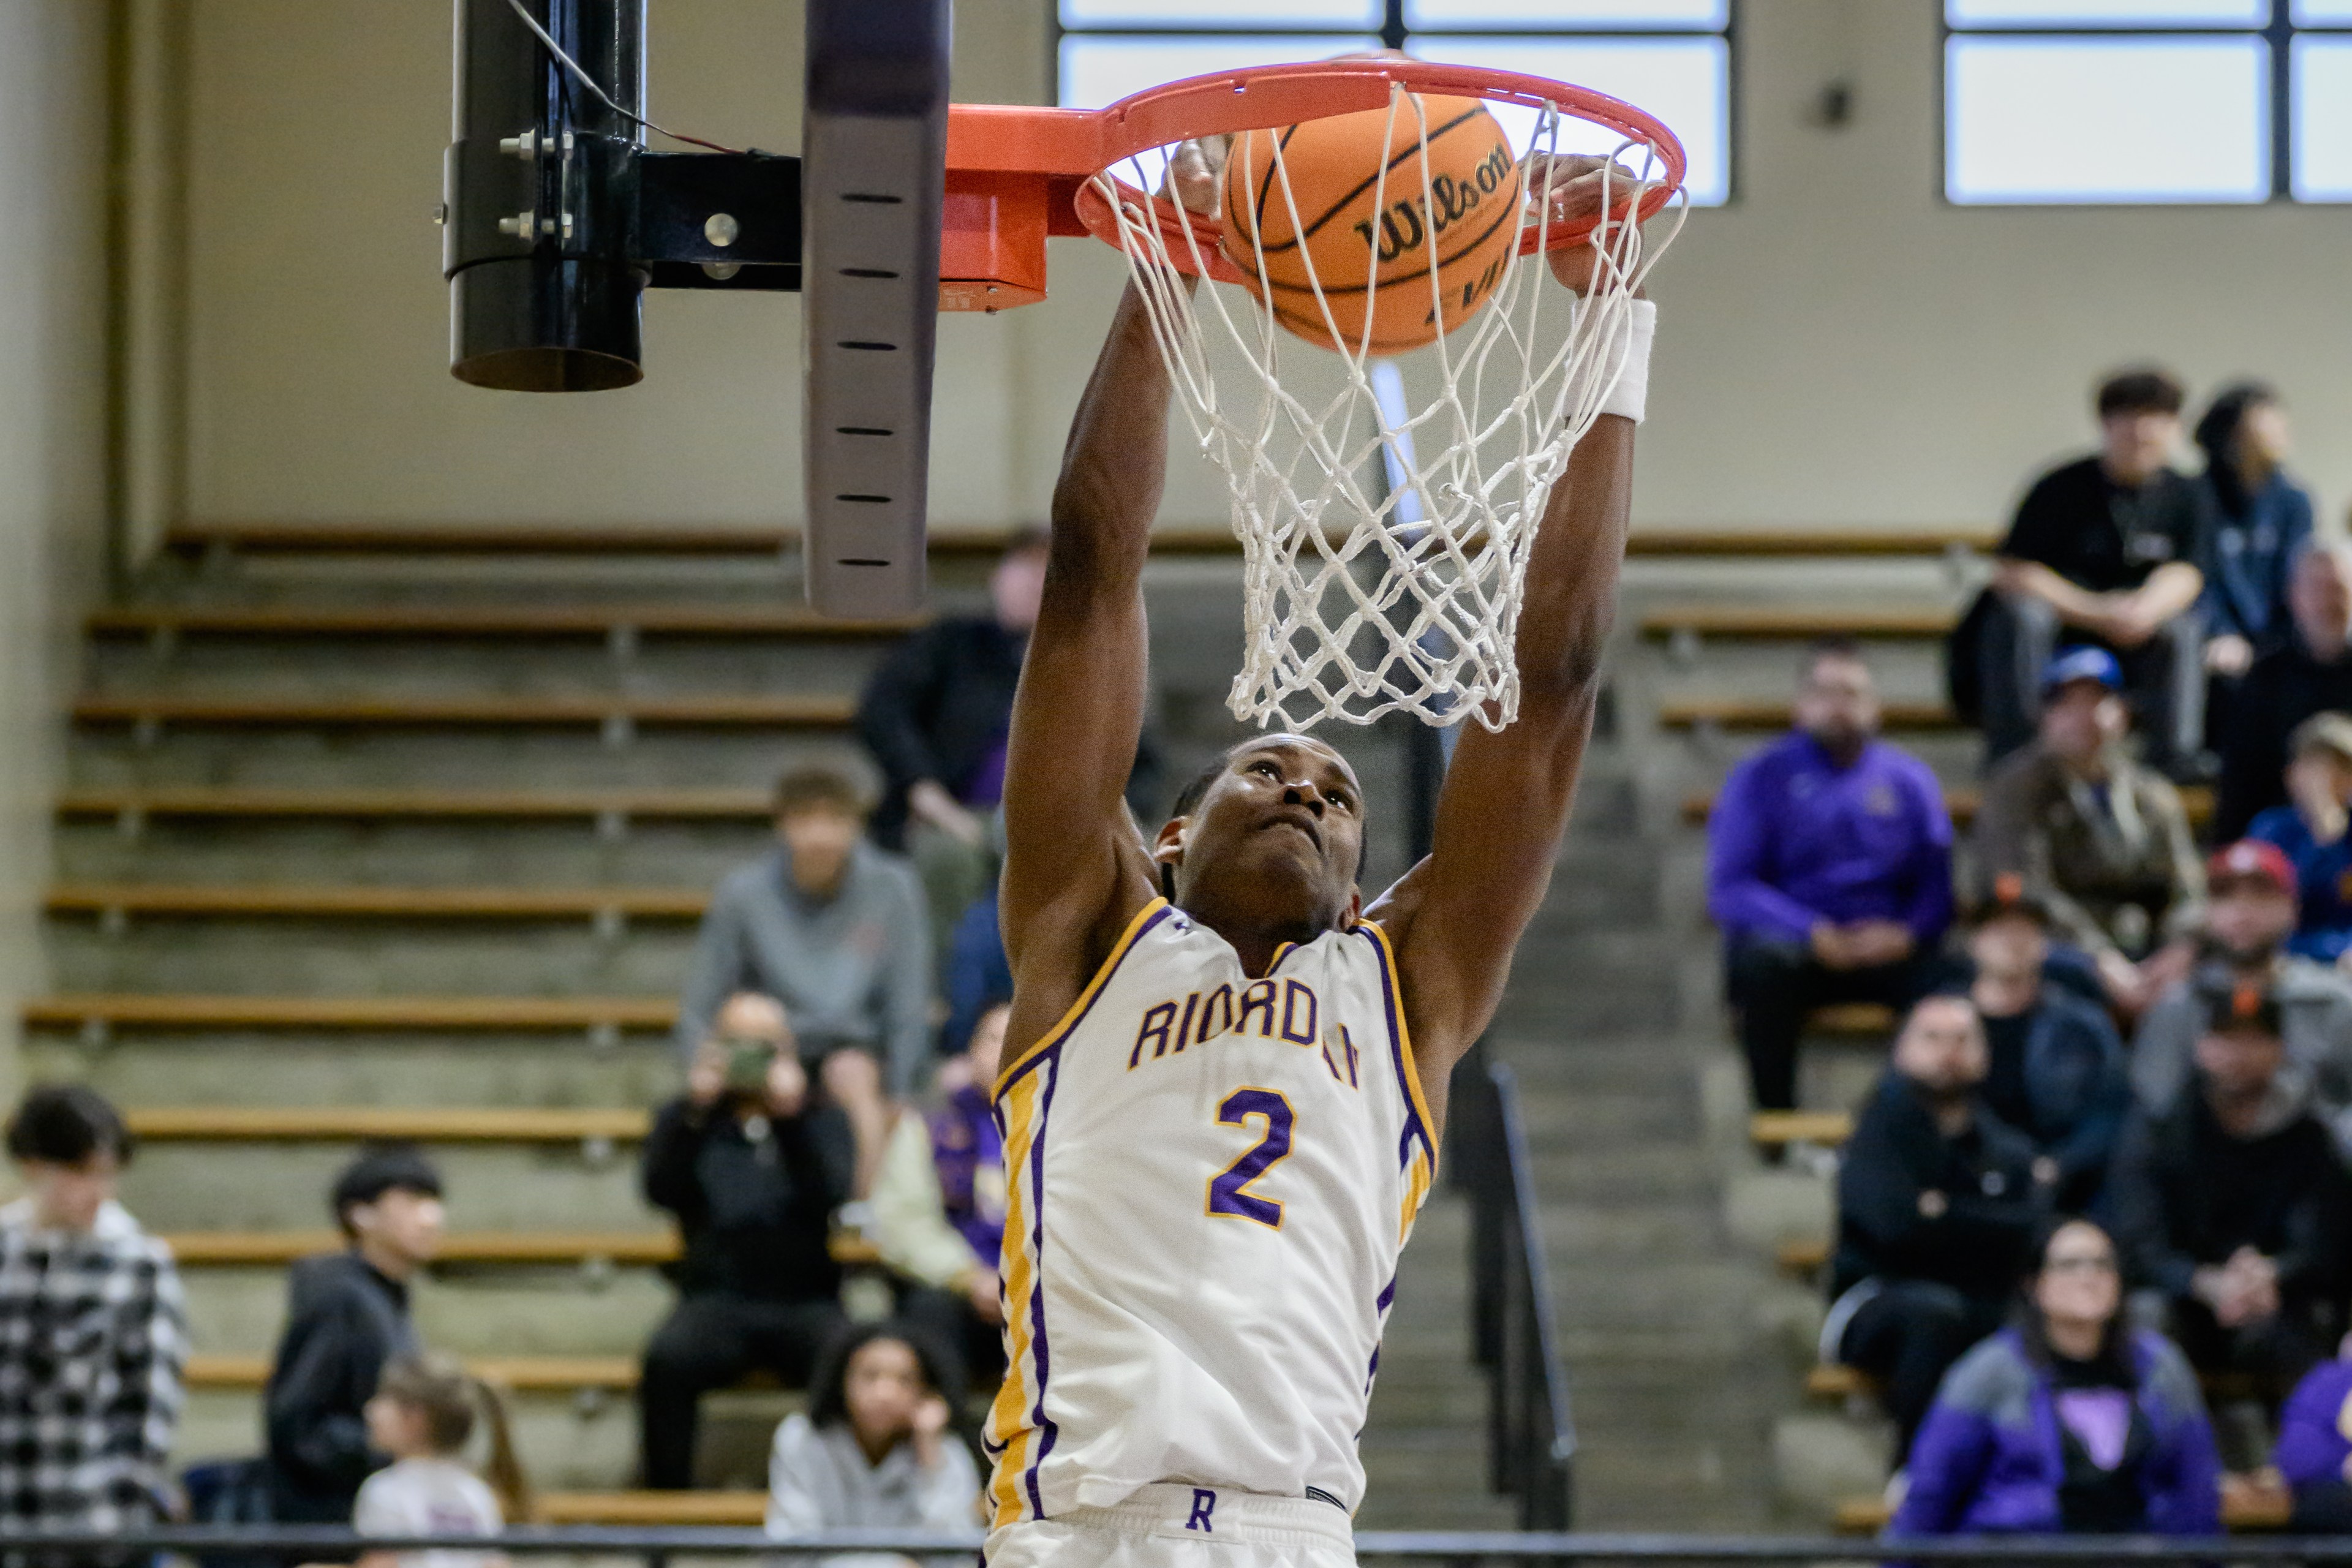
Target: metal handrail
(1530,1430)
(310,1543)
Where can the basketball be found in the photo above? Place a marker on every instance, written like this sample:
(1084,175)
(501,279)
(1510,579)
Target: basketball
(1459,213)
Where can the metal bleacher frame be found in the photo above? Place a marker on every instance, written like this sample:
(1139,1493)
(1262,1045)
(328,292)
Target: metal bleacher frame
(654,1547)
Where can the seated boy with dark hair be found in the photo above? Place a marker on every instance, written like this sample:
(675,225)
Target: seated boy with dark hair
(346,1316)
(2103,550)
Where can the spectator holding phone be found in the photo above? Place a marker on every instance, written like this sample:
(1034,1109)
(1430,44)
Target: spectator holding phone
(753,1167)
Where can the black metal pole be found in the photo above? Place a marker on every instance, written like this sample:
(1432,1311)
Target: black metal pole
(539,180)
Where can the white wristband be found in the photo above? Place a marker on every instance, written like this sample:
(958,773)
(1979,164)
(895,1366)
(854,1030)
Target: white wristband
(1630,396)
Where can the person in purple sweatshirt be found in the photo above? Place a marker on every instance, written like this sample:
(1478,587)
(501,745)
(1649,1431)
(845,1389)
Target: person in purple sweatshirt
(2314,1448)
(2067,1421)
(1829,870)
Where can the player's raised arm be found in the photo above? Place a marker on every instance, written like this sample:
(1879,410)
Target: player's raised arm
(1075,870)
(1456,916)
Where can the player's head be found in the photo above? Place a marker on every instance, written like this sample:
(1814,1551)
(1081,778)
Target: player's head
(1271,834)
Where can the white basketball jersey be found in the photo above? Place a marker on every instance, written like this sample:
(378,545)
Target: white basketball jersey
(1211,1177)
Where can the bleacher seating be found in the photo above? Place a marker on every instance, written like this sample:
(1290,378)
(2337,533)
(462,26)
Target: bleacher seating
(442,1124)
(420,805)
(1775,1129)
(649,1509)
(197,674)
(523,1374)
(2244,1510)
(1735,620)
(751,711)
(416,539)
(1772,713)
(445,620)
(363,901)
(411,1013)
(213,1248)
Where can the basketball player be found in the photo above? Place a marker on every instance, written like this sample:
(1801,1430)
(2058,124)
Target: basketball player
(1227,1076)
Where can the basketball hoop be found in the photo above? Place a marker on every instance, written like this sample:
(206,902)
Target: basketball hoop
(1364,598)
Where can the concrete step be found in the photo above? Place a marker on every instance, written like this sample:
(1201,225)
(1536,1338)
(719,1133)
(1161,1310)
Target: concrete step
(372,666)
(512,1310)
(272,1187)
(361,958)
(388,759)
(521,853)
(518,1071)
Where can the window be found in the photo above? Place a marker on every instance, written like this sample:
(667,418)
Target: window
(1672,58)
(2088,101)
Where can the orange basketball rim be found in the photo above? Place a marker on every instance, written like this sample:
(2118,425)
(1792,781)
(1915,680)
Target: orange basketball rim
(1018,175)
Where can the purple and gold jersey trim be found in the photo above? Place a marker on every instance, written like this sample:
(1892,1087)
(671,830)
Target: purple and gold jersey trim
(1145,919)
(1020,1433)
(1417,1148)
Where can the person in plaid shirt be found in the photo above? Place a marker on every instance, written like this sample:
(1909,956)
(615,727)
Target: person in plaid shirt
(92,1329)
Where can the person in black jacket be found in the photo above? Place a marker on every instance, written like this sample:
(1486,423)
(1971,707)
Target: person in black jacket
(2230,1202)
(754,1168)
(346,1316)
(936,714)
(1936,1207)
(2054,1067)
(2309,673)
(2104,551)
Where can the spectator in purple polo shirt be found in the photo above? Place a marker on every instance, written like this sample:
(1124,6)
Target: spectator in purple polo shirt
(1830,870)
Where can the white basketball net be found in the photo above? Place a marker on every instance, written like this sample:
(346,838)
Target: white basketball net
(1363,598)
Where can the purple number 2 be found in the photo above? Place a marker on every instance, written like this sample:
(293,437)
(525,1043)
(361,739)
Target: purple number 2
(1229,1188)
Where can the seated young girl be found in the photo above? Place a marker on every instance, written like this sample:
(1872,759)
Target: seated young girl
(423,1414)
(877,1449)
(2066,1421)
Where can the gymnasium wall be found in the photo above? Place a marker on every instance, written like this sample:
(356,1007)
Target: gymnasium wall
(52,432)
(1837,348)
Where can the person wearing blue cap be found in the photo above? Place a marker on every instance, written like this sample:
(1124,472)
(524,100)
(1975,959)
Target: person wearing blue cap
(2103,550)
(2098,838)
(1829,870)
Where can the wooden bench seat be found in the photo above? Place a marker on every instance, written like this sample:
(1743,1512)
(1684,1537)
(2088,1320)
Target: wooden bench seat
(2244,1510)
(200,1249)
(649,1511)
(523,1373)
(436,1014)
(784,710)
(1777,621)
(423,805)
(1765,543)
(1962,804)
(1802,1258)
(361,1123)
(361,901)
(1775,1129)
(778,618)
(1772,713)
(460,539)
(215,1247)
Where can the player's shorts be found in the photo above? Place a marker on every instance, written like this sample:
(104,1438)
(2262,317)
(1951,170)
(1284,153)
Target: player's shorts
(1171,1526)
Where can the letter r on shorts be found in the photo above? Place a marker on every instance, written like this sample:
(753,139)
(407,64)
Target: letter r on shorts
(1204,1503)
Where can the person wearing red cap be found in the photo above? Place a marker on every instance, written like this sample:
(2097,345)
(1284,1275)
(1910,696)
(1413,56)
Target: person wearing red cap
(2097,837)
(2310,831)
(2248,914)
